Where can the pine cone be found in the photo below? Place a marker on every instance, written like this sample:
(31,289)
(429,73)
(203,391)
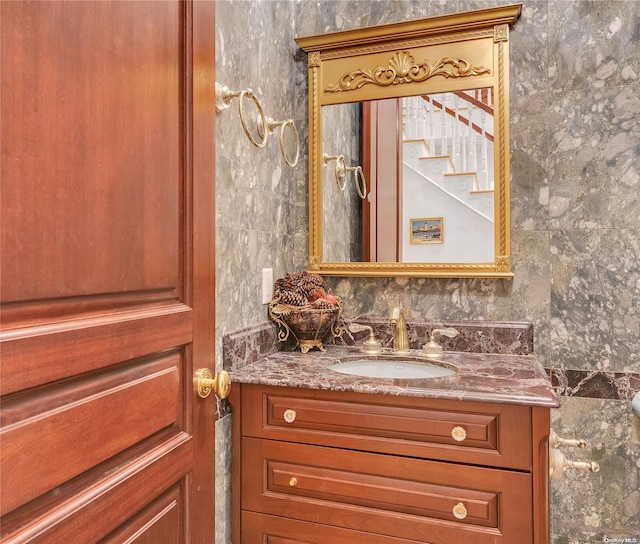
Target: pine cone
(323,304)
(299,288)
(317,294)
(292,298)
(285,283)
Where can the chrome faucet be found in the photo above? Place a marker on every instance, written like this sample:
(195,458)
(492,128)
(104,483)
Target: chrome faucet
(400,335)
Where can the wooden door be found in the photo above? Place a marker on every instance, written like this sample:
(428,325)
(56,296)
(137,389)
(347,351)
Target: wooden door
(382,165)
(107,271)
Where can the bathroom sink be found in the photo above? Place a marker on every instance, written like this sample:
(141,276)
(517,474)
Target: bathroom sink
(391,368)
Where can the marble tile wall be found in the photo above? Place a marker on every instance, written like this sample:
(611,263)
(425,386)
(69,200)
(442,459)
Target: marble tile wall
(575,137)
(261,206)
(342,224)
(261,202)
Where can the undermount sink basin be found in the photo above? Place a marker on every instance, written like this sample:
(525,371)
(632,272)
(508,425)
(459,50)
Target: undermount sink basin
(390,368)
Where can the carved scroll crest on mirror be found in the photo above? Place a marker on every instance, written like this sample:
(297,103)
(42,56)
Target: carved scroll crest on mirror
(454,71)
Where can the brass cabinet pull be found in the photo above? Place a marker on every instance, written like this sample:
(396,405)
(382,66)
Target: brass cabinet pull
(460,511)
(293,482)
(290,415)
(458,433)
(205,383)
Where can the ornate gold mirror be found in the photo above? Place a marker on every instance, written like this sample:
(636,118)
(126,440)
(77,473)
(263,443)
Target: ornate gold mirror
(409,147)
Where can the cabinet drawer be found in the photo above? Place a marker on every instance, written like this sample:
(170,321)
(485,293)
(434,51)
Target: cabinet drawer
(259,528)
(484,434)
(428,501)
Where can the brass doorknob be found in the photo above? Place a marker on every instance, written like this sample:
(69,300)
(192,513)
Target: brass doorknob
(204,383)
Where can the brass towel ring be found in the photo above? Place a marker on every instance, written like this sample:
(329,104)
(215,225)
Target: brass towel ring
(224,96)
(340,171)
(271,126)
(358,178)
(261,121)
(294,161)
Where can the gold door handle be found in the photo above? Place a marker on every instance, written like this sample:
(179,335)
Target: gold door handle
(205,383)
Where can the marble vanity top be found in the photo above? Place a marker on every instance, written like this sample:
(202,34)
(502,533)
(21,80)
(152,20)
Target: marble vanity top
(481,377)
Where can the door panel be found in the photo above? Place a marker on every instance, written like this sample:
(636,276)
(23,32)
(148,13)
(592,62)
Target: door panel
(159,522)
(107,271)
(101,81)
(34,355)
(56,438)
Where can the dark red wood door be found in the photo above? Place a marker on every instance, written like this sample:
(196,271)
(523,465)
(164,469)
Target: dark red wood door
(107,271)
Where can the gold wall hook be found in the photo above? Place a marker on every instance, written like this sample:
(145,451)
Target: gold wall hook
(558,463)
(582,465)
(555,441)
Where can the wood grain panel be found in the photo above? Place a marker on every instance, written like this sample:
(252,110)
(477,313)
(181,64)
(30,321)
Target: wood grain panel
(92,512)
(541,423)
(260,528)
(418,425)
(159,522)
(103,189)
(401,497)
(71,438)
(497,435)
(37,355)
(43,312)
(108,270)
(381,492)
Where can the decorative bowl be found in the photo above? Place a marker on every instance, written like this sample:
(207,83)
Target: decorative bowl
(307,324)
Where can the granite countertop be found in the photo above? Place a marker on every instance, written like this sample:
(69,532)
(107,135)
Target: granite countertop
(480,377)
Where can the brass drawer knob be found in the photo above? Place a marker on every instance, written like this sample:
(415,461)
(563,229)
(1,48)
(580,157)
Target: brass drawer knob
(460,511)
(458,434)
(290,416)
(293,482)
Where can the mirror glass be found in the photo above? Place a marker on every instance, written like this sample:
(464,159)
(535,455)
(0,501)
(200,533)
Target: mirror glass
(443,191)
(409,147)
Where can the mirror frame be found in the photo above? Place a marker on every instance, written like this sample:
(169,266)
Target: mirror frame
(454,52)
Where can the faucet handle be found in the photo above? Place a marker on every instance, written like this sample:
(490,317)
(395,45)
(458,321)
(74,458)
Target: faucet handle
(372,346)
(358,327)
(449,332)
(432,349)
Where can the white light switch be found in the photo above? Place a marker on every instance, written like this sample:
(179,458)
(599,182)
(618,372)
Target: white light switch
(267,285)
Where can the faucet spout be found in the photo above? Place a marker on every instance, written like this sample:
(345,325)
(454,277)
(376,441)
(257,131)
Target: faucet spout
(400,335)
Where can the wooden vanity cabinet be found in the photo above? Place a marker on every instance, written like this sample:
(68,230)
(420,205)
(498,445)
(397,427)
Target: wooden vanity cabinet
(320,467)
